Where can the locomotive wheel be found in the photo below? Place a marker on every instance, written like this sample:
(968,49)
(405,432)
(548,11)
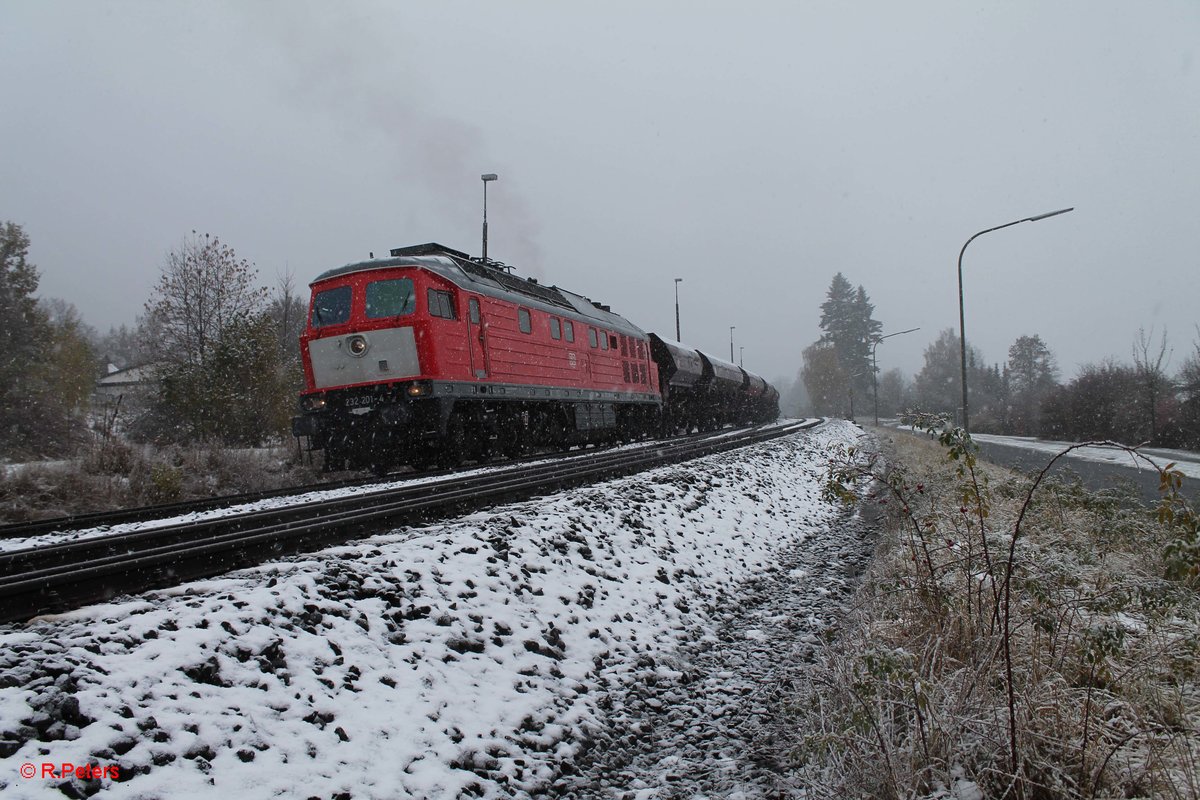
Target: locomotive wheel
(454,442)
(481,448)
(510,436)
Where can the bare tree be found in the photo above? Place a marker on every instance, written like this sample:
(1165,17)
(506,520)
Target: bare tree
(825,380)
(217,356)
(1189,385)
(202,291)
(893,388)
(287,310)
(1032,374)
(1150,363)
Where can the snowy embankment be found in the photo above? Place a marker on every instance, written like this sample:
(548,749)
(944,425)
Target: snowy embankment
(475,656)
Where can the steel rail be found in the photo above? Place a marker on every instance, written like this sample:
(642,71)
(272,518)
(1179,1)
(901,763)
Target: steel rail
(124,543)
(91,570)
(96,519)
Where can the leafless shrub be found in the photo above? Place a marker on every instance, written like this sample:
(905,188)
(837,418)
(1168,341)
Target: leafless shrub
(1014,638)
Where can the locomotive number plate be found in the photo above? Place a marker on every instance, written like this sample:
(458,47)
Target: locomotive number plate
(360,402)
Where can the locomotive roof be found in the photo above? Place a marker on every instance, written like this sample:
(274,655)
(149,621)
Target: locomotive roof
(465,272)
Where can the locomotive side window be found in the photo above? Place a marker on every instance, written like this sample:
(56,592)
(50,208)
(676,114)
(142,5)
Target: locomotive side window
(614,341)
(392,298)
(524,320)
(604,341)
(569,330)
(555,328)
(592,337)
(474,306)
(331,307)
(441,304)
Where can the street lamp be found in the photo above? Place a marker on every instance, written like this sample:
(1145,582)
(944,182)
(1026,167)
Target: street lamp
(741,356)
(487,178)
(962,326)
(731,327)
(678,338)
(875,369)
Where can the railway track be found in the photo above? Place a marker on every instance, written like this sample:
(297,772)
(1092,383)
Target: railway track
(126,516)
(57,577)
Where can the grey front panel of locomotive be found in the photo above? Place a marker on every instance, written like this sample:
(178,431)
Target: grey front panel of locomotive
(391,354)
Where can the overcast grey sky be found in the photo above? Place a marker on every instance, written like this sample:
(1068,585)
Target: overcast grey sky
(753,149)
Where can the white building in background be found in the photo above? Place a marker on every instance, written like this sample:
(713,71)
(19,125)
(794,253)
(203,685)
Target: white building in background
(121,392)
(129,381)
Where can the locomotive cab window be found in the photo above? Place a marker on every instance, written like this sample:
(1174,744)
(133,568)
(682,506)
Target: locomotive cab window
(569,330)
(524,320)
(604,341)
(441,304)
(614,342)
(555,328)
(331,307)
(592,338)
(474,306)
(392,298)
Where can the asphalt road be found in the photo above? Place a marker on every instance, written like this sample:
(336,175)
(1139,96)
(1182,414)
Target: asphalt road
(1094,474)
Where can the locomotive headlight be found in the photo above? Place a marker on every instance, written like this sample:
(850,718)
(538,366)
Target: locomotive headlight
(312,403)
(357,345)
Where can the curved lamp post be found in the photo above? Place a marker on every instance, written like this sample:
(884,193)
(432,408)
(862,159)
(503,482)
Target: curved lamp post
(962,327)
(875,370)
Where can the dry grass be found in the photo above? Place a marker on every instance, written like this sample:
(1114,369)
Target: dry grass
(113,475)
(1086,687)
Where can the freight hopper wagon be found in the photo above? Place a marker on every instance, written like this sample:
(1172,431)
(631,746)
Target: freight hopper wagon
(703,392)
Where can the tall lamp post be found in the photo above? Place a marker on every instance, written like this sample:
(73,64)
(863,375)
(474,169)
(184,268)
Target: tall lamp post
(875,369)
(962,326)
(741,356)
(731,327)
(487,177)
(678,338)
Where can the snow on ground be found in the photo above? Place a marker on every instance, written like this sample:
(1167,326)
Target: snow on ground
(1186,462)
(481,656)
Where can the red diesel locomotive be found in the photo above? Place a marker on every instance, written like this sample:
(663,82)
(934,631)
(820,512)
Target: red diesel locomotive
(430,355)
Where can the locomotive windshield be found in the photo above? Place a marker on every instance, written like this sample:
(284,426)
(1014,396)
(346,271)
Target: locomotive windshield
(391,298)
(331,307)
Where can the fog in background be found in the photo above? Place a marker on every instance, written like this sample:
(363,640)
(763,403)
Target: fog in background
(752,149)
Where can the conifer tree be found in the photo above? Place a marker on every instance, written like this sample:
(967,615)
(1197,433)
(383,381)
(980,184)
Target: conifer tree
(849,326)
